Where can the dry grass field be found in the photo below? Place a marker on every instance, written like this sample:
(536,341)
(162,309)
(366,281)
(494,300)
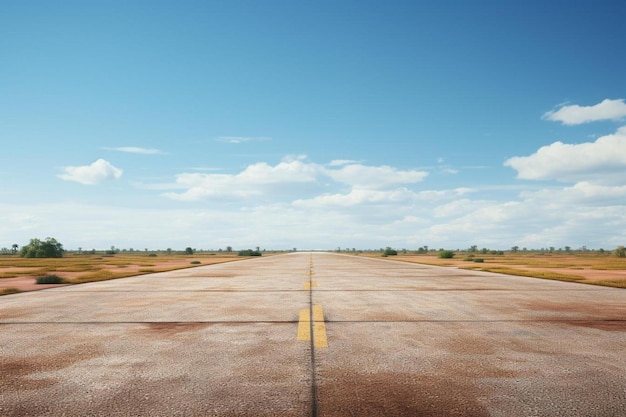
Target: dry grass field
(20,274)
(583,267)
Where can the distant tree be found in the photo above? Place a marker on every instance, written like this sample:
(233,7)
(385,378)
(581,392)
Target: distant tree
(49,248)
(14,248)
(229,248)
(514,249)
(390,252)
(620,252)
(189,250)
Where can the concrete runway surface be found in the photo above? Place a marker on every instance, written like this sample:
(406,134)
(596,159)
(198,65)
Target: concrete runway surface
(315,334)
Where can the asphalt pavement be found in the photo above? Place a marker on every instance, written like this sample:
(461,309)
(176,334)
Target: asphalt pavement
(315,334)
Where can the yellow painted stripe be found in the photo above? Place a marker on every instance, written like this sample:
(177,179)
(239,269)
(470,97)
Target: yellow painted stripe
(304,325)
(308,285)
(318,314)
(319,329)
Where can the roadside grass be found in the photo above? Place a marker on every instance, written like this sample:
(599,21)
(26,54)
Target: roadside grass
(535,265)
(102,275)
(76,268)
(617,283)
(532,274)
(22,272)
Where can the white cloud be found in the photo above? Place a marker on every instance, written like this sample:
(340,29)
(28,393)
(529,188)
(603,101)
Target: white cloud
(358,197)
(293,176)
(341,162)
(580,193)
(99,171)
(583,214)
(602,161)
(134,149)
(575,114)
(255,180)
(375,177)
(242,139)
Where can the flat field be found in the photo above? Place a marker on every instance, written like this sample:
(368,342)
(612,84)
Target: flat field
(583,267)
(19,274)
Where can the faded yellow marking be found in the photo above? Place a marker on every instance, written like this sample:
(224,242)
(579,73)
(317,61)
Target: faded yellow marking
(308,285)
(304,325)
(318,314)
(319,327)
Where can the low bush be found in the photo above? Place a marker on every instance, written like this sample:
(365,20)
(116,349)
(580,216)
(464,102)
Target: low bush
(195,262)
(50,279)
(390,252)
(9,290)
(445,254)
(249,252)
(479,260)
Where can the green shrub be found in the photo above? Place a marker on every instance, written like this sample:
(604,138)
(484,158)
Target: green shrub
(390,252)
(479,260)
(195,262)
(445,254)
(152,255)
(50,279)
(249,252)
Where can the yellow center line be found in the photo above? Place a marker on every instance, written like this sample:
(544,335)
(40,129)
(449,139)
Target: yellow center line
(309,285)
(304,327)
(319,327)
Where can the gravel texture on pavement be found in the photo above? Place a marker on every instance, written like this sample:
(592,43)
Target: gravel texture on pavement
(315,334)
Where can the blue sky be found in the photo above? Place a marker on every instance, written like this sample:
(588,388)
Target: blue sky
(280,124)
